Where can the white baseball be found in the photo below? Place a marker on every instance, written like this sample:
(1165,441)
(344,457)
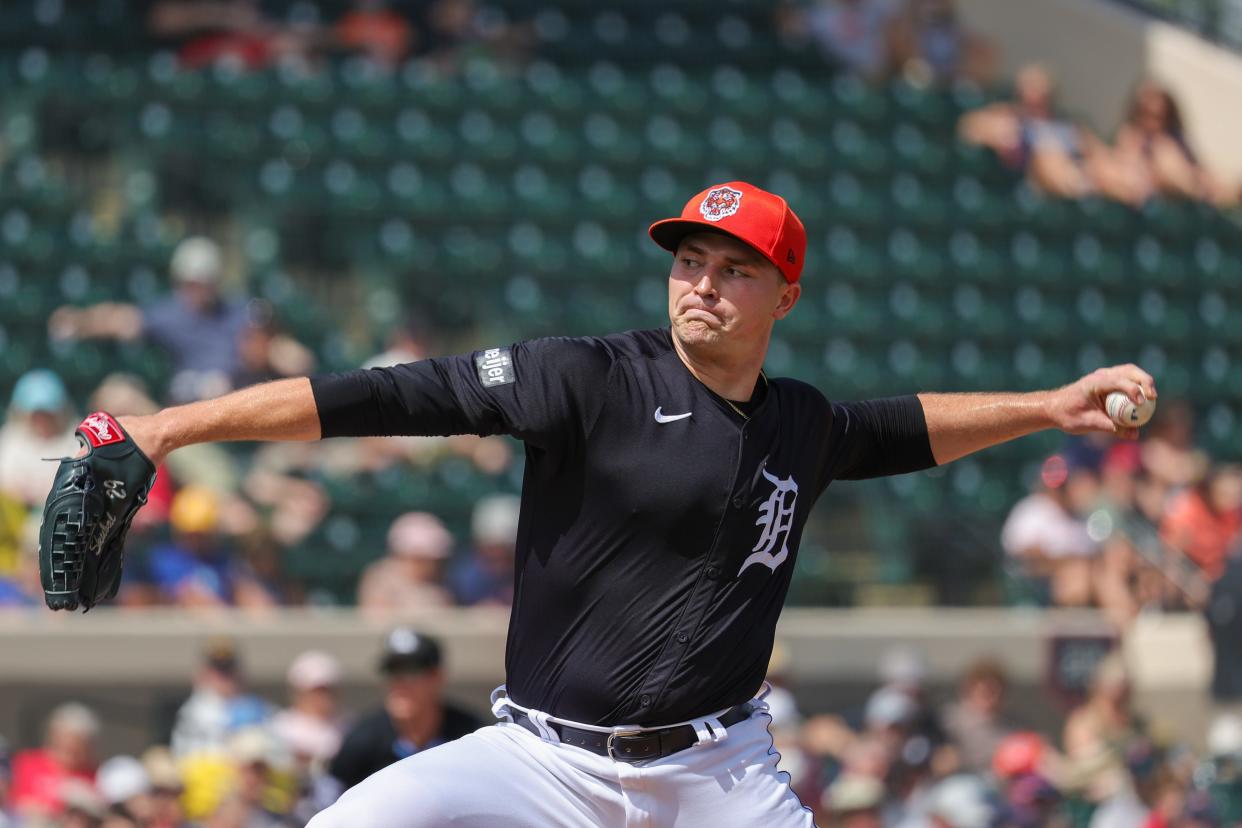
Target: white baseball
(1124,412)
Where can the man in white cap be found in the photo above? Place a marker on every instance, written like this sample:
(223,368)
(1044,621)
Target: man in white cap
(409,577)
(201,330)
(486,577)
(961,801)
(124,784)
(311,726)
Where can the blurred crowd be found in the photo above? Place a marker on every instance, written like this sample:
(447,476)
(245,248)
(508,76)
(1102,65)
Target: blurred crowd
(907,760)
(923,41)
(908,757)
(1128,526)
(235,759)
(218,524)
(441,33)
(1151,154)
(927,42)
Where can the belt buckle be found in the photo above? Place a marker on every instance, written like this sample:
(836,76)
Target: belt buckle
(608,745)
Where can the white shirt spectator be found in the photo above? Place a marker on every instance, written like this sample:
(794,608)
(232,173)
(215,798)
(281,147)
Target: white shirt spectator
(1039,523)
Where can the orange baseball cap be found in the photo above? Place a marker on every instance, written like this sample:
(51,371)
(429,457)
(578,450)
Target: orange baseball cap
(761,219)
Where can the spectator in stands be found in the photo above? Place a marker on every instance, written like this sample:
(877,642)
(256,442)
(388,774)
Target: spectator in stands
(1098,732)
(68,753)
(166,788)
(1050,553)
(21,587)
(931,45)
(409,577)
(256,787)
(1059,157)
(1156,155)
(410,341)
(311,726)
(486,576)
(83,806)
(202,330)
(786,728)
(904,669)
(15,536)
(1124,534)
(1223,766)
(1223,614)
(125,786)
(414,716)
(228,31)
(854,34)
(1148,794)
(219,704)
(38,427)
(265,352)
(7,818)
(961,801)
(378,31)
(197,568)
(888,721)
(1021,766)
(975,720)
(1204,521)
(1169,451)
(853,801)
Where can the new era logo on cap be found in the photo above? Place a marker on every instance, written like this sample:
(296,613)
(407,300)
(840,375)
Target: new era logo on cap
(761,219)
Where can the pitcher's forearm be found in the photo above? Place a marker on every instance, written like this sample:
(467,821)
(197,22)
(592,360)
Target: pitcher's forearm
(271,411)
(960,424)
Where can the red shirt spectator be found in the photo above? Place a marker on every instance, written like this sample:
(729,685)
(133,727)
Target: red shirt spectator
(40,774)
(1204,522)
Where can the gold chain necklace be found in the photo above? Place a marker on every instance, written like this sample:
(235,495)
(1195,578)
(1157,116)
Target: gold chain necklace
(739,411)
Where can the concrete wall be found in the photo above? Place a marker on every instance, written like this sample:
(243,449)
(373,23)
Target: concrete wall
(1099,49)
(135,668)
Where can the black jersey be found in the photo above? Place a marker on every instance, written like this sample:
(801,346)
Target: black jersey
(659,525)
(373,743)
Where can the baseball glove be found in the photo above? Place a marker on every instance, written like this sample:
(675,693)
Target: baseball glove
(87,515)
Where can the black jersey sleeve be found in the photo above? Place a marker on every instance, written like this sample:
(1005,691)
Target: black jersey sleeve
(543,391)
(875,438)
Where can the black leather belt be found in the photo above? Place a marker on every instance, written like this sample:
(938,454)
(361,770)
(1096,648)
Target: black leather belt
(633,745)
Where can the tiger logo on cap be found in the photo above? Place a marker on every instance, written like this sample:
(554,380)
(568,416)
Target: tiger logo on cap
(720,203)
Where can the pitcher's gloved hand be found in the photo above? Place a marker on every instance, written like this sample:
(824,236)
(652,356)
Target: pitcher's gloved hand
(87,515)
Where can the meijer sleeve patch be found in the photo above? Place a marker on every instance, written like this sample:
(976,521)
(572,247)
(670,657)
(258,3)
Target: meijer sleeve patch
(495,367)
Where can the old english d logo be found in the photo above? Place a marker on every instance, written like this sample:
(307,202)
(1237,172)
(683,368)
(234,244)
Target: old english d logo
(776,518)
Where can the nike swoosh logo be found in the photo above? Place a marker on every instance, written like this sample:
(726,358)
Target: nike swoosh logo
(661,417)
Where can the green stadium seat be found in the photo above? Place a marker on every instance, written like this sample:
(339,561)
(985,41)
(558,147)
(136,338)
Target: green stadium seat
(800,150)
(540,195)
(546,141)
(619,92)
(421,139)
(605,139)
(548,85)
(858,100)
(673,90)
(483,138)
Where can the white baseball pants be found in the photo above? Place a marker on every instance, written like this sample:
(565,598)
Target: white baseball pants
(504,776)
